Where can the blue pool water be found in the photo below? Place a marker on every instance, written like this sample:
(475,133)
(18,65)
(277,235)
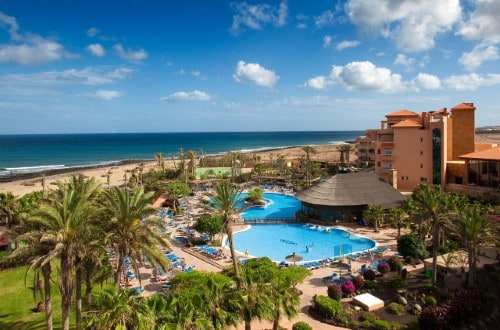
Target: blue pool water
(278,206)
(278,241)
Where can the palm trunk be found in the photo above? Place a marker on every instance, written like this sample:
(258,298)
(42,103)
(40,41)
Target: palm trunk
(46,270)
(78,294)
(435,243)
(229,231)
(66,289)
(88,288)
(472,265)
(119,268)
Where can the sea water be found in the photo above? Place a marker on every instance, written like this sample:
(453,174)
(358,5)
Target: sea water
(41,152)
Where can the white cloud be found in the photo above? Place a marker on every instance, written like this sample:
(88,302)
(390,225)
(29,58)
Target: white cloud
(472,81)
(427,81)
(319,83)
(326,18)
(255,73)
(327,41)
(96,50)
(256,16)
(347,44)
(405,61)
(130,55)
(198,74)
(483,23)
(28,49)
(472,60)
(413,25)
(93,31)
(368,77)
(106,95)
(187,96)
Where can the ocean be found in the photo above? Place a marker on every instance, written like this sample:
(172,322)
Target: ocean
(21,154)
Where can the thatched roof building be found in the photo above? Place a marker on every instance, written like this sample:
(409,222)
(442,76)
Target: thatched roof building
(346,195)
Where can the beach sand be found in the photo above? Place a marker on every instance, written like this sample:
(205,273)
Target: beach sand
(326,153)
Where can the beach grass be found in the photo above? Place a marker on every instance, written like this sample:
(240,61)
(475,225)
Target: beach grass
(18,306)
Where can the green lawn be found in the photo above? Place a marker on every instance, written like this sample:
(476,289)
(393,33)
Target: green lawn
(17,305)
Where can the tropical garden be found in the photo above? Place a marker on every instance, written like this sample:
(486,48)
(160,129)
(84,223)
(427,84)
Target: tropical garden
(70,245)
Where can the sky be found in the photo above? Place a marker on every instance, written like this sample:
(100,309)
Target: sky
(106,66)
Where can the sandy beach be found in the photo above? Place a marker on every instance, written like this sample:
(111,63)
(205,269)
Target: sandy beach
(326,153)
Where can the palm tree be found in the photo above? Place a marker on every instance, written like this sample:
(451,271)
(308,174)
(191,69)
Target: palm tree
(63,220)
(374,214)
(345,150)
(431,205)
(8,207)
(398,218)
(474,228)
(226,201)
(108,178)
(131,228)
(308,150)
(191,155)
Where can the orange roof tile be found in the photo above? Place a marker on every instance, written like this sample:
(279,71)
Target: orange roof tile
(464,106)
(403,113)
(488,154)
(407,123)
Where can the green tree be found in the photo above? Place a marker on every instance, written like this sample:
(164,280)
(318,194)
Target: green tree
(226,201)
(191,155)
(398,218)
(9,206)
(344,150)
(411,246)
(210,224)
(473,228)
(63,220)
(176,190)
(432,205)
(132,229)
(309,151)
(255,195)
(374,214)
(160,161)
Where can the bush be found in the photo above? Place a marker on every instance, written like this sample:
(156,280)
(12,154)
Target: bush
(434,317)
(411,246)
(358,282)
(396,264)
(395,309)
(382,325)
(334,291)
(369,284)
(465,306)
(369,275)
(301,326)
(330,308)
(430,301)
(383,268)
(348,288)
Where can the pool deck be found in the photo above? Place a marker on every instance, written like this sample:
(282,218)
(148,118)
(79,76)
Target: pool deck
(313,285)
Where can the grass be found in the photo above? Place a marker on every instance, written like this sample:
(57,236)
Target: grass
(18,306)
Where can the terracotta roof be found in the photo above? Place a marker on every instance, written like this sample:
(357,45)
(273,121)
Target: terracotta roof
(403,113)
(407,123)
(352,189)
(464,106)
(488,154)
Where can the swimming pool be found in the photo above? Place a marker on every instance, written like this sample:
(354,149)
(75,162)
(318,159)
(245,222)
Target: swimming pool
(309,241)
(278,207)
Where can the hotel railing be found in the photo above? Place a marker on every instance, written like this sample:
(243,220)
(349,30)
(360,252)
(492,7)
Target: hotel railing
(270,220)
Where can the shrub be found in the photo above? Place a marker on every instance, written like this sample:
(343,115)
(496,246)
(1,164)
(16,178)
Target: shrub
(330,308)
(348,288)
(396,264)
(397,282)
(434,317)
(301,326)
(395,309)
(334,291)
(369,275)
(411,246)
(369,284)
(382,325)
(383,267)
(465,306)
(358,282)
(429,301)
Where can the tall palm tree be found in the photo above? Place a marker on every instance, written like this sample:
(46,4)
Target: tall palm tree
(398,218)
(226,201)
(63,220)
(474,228)
(345,150)
(191,155)
(309,151)
(131,228)
(160,161)
(431,205)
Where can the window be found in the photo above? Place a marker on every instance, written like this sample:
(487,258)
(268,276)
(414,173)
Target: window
(421,165)
(387,166)
(423,179)
(388,153)
(421,139)
(421,153)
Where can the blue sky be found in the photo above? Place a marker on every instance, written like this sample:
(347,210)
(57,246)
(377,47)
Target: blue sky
(174,66)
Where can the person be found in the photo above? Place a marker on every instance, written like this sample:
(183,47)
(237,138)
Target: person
(246,253)
(307,248)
